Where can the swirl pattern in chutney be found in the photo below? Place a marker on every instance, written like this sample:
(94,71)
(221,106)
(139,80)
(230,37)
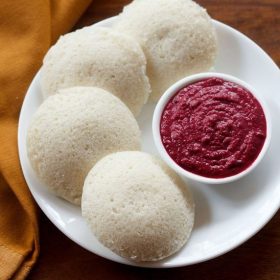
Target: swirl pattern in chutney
(214,128)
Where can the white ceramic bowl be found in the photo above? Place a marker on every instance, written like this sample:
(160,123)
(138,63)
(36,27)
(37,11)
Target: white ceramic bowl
(170,92)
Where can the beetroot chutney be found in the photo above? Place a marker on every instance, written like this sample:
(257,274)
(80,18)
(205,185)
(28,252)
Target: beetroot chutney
(213,128)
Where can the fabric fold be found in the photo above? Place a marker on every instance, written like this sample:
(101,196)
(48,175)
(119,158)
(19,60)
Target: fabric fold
(27,30)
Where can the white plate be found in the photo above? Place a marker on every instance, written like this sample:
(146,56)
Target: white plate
(226,215)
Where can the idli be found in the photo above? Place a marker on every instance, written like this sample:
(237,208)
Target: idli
(101,57)
(177,37)
(137,207)
(71,131)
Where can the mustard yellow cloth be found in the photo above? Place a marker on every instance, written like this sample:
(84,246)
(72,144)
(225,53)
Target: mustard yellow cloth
(27,29)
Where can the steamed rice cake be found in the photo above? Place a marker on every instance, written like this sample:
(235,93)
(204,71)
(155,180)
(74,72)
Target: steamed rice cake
(177,37)
(71,131)
(137,207)
(100,57)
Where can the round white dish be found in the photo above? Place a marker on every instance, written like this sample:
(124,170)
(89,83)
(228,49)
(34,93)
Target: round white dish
(171,91)
(226,215)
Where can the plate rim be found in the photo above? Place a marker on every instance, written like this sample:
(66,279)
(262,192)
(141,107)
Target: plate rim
(159,264)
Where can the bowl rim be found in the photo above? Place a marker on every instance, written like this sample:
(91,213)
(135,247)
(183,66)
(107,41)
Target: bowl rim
(171,91)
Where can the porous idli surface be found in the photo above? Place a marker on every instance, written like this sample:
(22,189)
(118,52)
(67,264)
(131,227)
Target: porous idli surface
(100,57)
(137,207)
(71,131)
(177,37)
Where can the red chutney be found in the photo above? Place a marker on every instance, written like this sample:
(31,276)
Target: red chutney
(213,128)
